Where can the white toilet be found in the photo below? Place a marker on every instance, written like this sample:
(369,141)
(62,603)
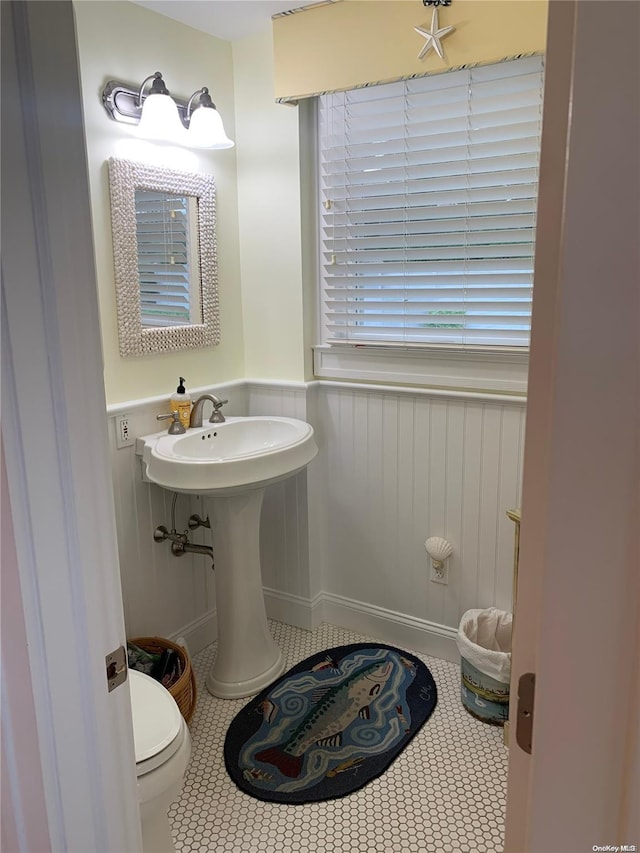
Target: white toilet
(163,749)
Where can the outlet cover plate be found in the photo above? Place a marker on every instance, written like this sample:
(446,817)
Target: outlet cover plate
(124,435)
(443,577)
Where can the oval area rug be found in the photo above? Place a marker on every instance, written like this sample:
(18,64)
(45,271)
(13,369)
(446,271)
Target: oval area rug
(330,724)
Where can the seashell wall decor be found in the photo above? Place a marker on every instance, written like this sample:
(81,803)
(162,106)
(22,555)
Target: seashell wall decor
(439,550)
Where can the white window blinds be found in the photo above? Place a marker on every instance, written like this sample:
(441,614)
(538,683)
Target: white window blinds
(428,191)
(167,260)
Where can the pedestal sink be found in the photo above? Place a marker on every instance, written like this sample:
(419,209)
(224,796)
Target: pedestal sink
(230,464)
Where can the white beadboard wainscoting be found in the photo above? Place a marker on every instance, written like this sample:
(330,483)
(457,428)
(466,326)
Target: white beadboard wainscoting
(343,541)
(401,466)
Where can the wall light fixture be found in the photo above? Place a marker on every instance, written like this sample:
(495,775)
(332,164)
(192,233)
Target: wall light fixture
(162,117)
(205,122)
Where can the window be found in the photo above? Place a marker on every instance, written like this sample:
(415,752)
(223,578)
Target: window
(428,192)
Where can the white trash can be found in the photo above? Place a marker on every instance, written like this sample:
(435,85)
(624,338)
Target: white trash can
(484,643)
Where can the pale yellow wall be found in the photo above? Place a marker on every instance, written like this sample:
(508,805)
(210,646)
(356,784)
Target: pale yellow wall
(345,44)
(259,231)
(123,41)
(269,216)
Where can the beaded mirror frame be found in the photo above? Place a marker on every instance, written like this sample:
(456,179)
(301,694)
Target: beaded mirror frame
(125,177)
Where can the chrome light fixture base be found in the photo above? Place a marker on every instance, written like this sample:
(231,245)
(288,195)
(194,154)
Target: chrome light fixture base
(122,103)
(197,115)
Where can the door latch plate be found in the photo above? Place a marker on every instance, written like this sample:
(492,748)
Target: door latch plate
(524,723)
(116,666)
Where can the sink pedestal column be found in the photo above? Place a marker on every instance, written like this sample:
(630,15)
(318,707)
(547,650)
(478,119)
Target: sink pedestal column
(248,658)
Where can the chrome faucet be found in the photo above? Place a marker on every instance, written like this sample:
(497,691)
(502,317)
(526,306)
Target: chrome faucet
(216,416)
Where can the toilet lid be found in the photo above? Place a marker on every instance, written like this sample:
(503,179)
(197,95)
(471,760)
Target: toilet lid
(156,717)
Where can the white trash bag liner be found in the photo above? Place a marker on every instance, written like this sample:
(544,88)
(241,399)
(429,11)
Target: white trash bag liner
(484,639)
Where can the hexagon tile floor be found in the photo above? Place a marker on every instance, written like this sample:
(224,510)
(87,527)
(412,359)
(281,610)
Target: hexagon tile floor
(445,793)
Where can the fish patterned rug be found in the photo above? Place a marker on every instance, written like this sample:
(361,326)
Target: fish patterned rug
(329,725)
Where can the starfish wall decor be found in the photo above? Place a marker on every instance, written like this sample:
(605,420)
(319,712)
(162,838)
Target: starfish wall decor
(433,36)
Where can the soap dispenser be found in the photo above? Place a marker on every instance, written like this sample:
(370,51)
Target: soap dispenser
(181,402)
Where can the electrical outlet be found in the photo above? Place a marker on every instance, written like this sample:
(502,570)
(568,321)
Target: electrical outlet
(440,575)
(124,436)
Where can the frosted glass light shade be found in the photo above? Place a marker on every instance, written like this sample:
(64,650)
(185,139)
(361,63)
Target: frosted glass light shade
(206,129)
(160,119)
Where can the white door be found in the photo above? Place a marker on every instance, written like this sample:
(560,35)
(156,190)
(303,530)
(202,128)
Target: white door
(63,572)
(576,624)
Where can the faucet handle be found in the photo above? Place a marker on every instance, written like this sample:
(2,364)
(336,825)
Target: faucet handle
(216,415)
(175,427)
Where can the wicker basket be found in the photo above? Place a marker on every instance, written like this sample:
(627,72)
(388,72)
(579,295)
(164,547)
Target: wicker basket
(184,690)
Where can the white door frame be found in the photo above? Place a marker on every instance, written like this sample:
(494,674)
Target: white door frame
(577,612)
(55,440)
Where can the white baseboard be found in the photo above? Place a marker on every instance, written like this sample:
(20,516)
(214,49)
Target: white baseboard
(293,609)
(199,633)
(385,625)
(418,635)
(414,634)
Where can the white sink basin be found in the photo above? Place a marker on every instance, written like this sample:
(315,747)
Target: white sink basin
(228,458)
